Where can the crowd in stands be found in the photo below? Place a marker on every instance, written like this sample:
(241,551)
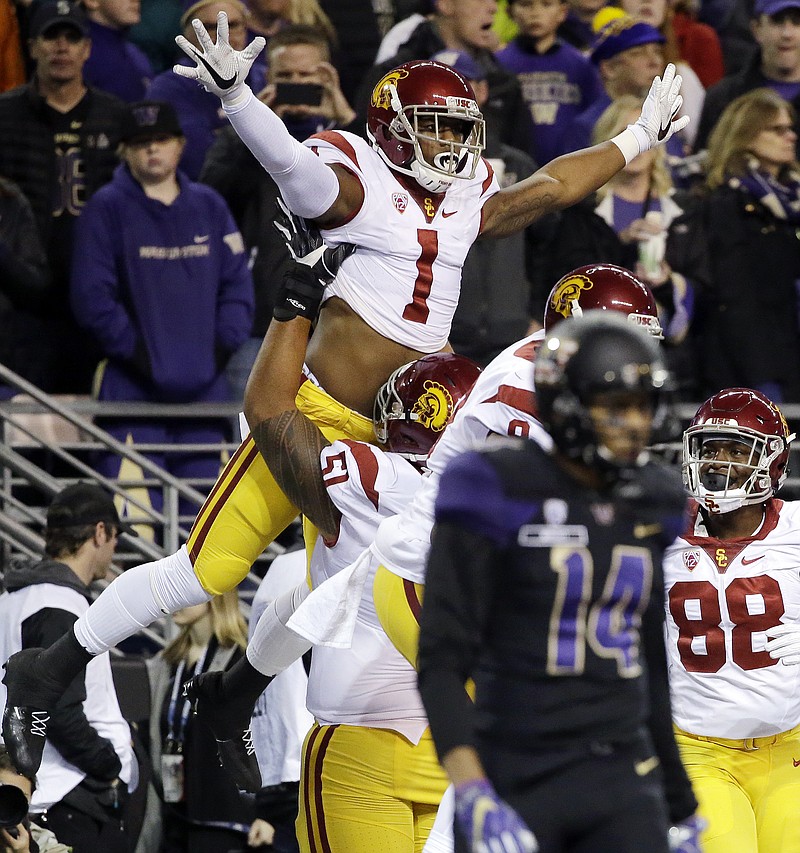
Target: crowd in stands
(550,76)
(138,261)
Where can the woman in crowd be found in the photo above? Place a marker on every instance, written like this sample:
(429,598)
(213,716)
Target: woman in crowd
(630,222)
(660,14)
(200,810)
(748,228)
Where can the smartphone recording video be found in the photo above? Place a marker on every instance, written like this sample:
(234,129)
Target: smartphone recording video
(307,94)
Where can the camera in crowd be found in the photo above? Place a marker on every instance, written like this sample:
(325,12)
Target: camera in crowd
(13,808)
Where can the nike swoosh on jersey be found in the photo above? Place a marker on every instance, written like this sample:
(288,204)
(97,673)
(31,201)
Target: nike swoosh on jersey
(746,562)
(795,762)
(642,768)
(642,531)
(198,238)
(220,81)
(446,213)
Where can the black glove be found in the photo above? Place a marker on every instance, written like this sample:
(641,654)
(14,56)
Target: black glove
(300,294)
(307,247)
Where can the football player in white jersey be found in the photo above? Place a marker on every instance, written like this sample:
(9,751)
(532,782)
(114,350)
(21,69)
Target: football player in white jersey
(370,777)
(502,402)
(732,581)
(412,200)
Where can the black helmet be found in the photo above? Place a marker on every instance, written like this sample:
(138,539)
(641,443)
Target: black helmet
(599,352)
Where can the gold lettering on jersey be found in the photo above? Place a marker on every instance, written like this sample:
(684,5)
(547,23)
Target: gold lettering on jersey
(434,407)
(430,209)
(569,291)
(382,93)
(721,557)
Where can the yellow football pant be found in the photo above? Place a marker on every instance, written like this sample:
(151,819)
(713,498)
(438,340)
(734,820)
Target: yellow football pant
(366,790)
(748,790)
(246,508)
(398,602)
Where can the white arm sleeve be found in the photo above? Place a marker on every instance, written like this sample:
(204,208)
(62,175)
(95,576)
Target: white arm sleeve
(273,646)
(308,186)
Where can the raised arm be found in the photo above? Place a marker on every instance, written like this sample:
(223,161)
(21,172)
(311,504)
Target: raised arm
(312,189)
(289,442)
(568,179)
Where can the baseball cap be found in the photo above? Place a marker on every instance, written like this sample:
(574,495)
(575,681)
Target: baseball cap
(772,7)
(149,118)
(461,62)
(55,12)
(620,35)
(190,8)
(84,503)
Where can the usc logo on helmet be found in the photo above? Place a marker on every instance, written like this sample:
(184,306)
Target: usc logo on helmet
(779,413)
(381,94)
(568,291)
(433,408)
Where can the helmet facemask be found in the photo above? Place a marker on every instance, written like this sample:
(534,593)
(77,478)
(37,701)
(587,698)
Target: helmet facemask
(722,486)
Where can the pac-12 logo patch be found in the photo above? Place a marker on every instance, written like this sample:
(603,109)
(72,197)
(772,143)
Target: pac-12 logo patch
(691,559)
(400,201)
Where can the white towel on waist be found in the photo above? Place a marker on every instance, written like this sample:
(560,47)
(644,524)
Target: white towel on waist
(327,617)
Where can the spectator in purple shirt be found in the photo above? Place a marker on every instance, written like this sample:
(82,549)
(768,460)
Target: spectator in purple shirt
(629,54)
(558,82)
(116,65)
(199,112)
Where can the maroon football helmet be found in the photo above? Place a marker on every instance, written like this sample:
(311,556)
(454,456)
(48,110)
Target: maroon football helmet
(748,417)
(606,287)
(418,400)
(425,90)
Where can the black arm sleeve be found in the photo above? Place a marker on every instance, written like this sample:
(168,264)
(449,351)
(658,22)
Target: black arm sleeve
(68,729)
(677,787)
(458,595)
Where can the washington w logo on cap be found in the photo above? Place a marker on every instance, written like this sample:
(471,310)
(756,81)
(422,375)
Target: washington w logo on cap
(146,115)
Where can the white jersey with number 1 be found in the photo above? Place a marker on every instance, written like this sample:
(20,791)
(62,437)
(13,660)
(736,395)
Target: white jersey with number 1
(405,278)
(721,598)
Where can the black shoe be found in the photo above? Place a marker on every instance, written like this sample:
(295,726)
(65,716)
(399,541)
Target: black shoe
(229,721)
(25,717)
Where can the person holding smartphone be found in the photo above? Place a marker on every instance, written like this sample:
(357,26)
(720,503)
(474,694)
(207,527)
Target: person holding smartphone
(303,86)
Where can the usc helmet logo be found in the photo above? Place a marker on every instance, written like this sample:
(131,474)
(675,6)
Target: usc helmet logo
(567,292)
(381,94)
(433,408)
(785,426)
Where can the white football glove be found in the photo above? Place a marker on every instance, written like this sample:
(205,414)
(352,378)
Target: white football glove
(220,69)
(785,646)
(657,122)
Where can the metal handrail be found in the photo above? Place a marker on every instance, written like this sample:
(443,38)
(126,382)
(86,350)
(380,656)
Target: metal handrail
(16,518)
